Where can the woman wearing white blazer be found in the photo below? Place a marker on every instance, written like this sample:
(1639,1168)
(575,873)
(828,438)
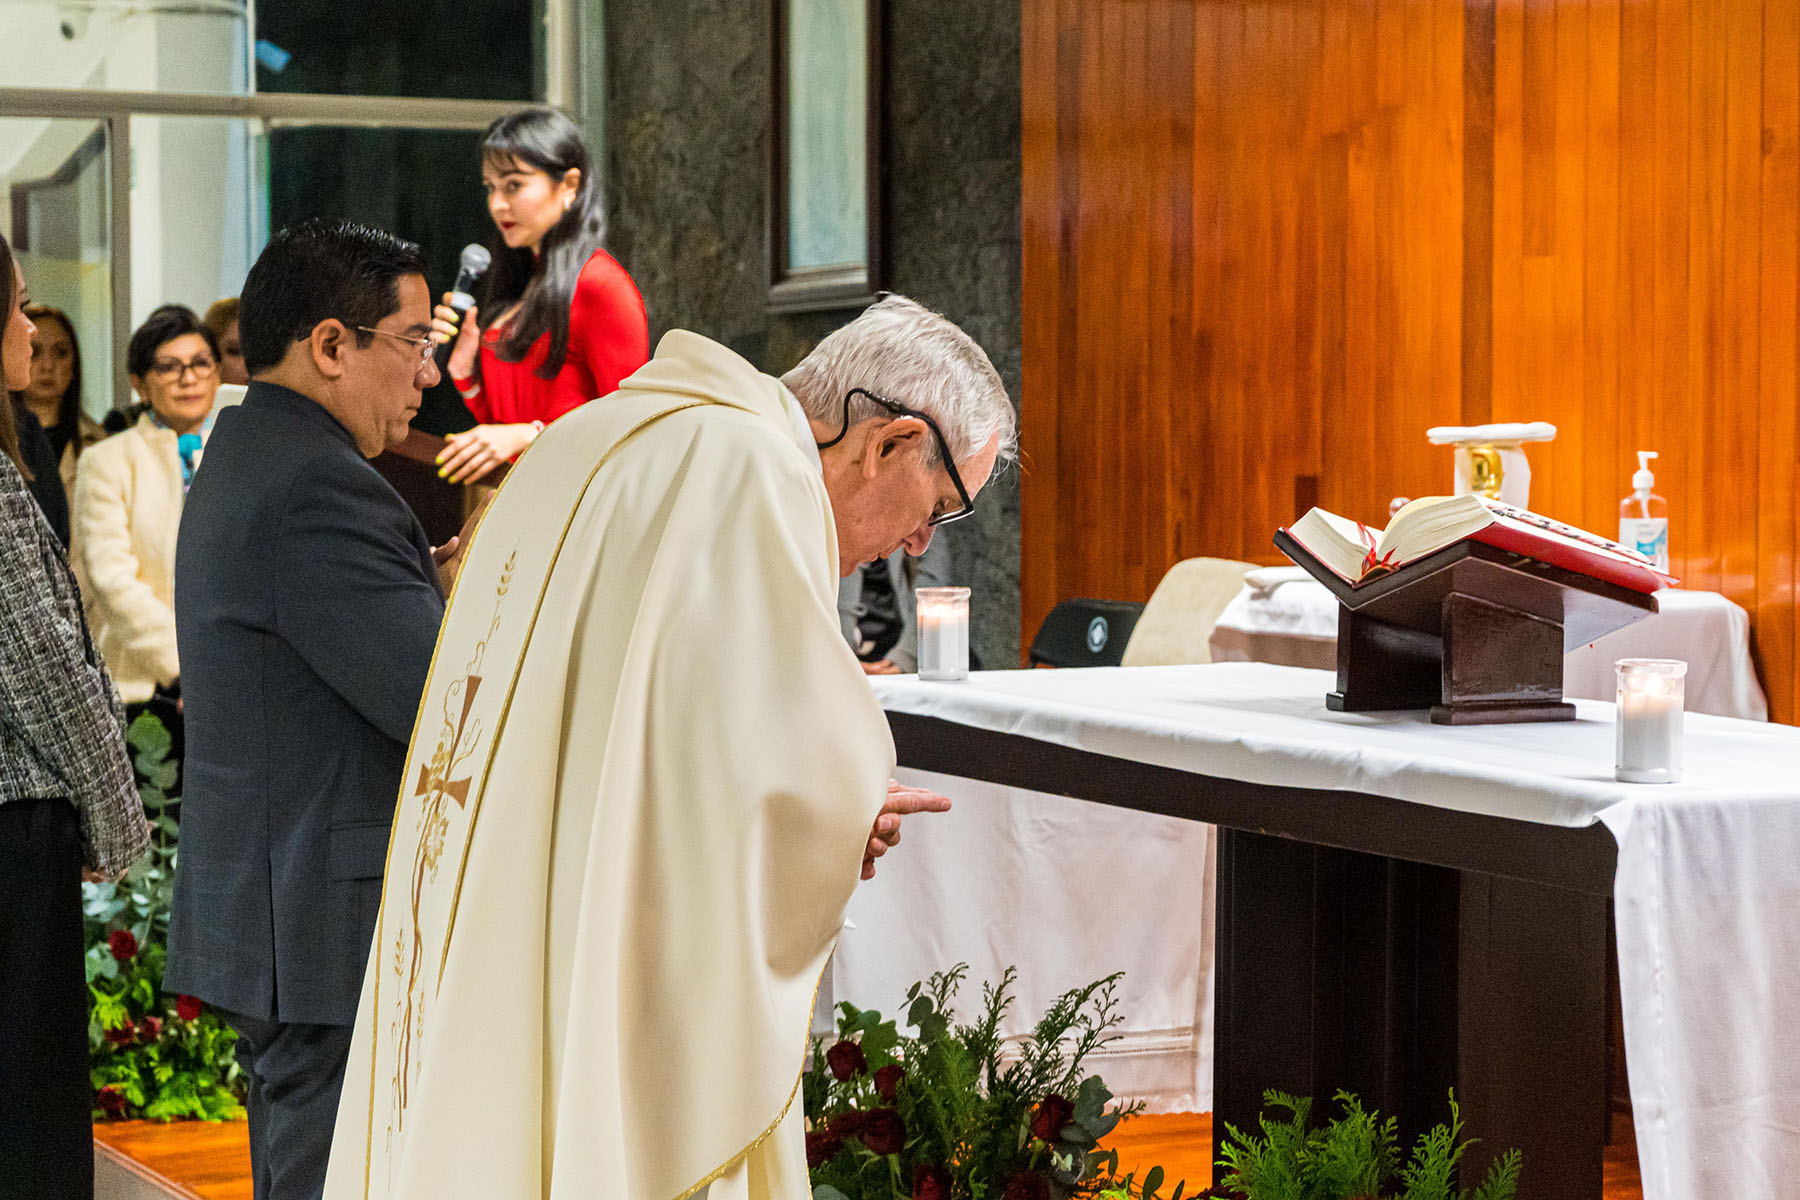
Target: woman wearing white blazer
(129,491)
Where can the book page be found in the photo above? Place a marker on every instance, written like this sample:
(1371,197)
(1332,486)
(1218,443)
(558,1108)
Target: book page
(1338,542)
(1427,525)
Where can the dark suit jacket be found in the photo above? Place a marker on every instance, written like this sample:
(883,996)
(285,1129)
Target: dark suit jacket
(306,610)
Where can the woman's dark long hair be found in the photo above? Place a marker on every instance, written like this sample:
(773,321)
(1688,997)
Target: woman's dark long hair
(67,429)
(9,433)
(546,140)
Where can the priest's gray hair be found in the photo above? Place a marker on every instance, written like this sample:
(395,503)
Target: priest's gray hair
(904,352)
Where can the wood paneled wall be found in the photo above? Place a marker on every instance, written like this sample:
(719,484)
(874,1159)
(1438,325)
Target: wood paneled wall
(1267,243)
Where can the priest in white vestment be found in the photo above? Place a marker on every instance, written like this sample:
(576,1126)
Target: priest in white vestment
(646,775)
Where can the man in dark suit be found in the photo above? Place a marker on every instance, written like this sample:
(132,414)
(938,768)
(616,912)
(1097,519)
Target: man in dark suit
(307,604)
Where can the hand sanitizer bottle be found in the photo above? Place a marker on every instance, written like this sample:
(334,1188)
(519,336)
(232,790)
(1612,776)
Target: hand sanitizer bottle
(1644,516)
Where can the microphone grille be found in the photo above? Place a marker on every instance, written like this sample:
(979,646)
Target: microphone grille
(475,258)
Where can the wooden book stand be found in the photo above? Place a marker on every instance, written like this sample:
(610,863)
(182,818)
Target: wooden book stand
(1473,633)
(441,506)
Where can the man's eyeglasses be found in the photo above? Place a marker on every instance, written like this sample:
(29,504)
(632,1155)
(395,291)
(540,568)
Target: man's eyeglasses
(168,370)
(900,410)
(425,345)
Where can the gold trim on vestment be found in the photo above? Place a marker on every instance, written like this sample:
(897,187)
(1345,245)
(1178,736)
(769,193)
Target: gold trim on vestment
(781,1116)
(499,728)
(381,910)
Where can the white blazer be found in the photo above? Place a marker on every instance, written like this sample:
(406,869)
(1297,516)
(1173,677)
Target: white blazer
(127,511)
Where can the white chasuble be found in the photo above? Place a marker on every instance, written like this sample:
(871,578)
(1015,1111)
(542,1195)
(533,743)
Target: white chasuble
(634,808)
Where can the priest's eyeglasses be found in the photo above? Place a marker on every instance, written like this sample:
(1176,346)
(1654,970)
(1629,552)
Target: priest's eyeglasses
(967,505)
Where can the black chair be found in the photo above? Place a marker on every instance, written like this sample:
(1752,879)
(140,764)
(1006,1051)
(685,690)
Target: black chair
(1085,633)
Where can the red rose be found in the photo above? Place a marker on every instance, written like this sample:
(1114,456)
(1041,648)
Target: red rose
(1027,1185)
(111,1101)
(846,1060)
(931,1183)
(188,1008)
(149,1029)
(883,1132)
(1048,1121)
(887,1082)
(846,1124)
(821,1148)
(124,1035)
(124,946)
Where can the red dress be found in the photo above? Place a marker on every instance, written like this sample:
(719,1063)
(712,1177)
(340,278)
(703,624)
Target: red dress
(609,338)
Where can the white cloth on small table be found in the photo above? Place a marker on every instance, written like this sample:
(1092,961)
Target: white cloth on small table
(1285,616)
(1707,882)
(1068,892)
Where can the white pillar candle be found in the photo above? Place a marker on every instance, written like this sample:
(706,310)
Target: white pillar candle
(943,632)
(1651,697)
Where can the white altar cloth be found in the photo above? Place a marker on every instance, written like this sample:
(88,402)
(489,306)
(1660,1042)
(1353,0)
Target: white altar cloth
(1708,872)
(1284,616)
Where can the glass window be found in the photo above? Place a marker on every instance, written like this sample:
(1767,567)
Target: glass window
(58,220)
(403,48)
(193,211)
(422,184)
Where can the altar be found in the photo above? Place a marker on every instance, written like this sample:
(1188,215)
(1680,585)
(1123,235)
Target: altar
(1402,907)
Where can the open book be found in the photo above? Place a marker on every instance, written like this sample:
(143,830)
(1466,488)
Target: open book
(1360,554)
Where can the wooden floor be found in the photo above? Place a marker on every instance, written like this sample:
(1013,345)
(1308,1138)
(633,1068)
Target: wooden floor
(193,1160)
(196,1161)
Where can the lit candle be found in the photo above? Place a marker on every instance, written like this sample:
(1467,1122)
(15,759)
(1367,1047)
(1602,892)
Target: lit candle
(1649,720)
(943,632)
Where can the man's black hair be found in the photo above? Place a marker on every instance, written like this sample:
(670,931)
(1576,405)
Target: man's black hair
(161,327)
(313,272)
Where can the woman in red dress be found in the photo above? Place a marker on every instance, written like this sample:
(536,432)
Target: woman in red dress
(570,321)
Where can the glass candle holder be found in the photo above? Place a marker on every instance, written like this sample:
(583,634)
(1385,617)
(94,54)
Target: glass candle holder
(1651,698)
(943,632)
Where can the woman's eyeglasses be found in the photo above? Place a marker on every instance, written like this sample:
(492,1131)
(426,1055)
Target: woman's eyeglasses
(168,370)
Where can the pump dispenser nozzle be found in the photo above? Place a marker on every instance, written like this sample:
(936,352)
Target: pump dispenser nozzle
(1643,481)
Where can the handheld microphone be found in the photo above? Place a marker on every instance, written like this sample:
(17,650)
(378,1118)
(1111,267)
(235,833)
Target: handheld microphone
(474,264)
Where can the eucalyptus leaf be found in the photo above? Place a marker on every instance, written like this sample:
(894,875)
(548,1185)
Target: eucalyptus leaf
(826,1192)
(1152,1181)
(164,775)
(1091,1101)
(148,736)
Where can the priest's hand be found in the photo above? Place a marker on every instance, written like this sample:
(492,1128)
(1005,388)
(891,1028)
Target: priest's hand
(883,667)
(901,801)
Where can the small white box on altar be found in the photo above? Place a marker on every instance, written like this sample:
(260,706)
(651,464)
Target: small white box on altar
(1651,700)
(943,632)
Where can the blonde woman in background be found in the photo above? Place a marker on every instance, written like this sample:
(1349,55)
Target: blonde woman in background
(222,319)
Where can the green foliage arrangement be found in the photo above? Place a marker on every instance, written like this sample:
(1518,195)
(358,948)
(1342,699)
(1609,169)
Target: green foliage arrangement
(151,1054)
(949,1112)
(1354,1157)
